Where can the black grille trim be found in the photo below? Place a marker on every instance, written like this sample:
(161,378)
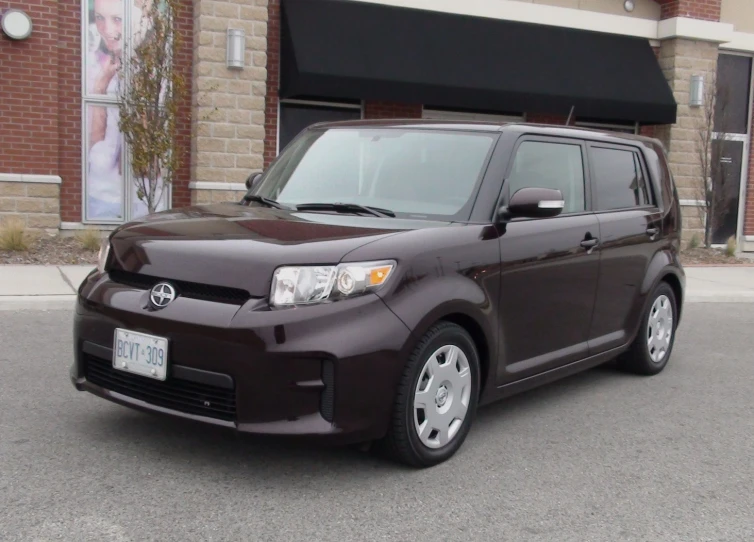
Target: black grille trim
(174,393)
(193,290)
(327,402)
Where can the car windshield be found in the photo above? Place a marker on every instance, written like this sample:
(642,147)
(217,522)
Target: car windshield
(413,173)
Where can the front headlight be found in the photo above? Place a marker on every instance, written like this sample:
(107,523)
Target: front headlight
(303,285)
(104,252)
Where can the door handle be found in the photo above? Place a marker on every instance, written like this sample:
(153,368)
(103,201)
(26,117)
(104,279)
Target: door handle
(652,232)
(589,243)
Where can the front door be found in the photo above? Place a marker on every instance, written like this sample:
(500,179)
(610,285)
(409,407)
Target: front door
(549,266)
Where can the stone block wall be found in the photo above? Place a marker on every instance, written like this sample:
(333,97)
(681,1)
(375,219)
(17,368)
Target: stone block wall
(229,104)
(36,202)
(679,60)
(204,197)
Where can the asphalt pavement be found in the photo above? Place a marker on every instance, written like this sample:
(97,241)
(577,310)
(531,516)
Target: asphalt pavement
(601,456)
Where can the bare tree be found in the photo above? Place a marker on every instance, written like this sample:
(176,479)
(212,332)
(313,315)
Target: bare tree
(149,101)
(711,187)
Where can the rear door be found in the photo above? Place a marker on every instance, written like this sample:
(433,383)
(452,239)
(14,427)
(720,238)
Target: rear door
(630,234)
(549,266)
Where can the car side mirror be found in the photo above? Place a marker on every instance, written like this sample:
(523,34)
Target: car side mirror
(253,180)
(534,203)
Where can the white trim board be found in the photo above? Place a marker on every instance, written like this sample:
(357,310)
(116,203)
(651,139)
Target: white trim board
(692,203)
(741,41)
(88,226)
(208,185)
(24,178)
(525,12)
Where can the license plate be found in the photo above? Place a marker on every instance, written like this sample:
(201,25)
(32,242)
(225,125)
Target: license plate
(140,354)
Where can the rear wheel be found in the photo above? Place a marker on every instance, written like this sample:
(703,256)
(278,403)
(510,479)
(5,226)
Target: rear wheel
(650,351)
(437,398)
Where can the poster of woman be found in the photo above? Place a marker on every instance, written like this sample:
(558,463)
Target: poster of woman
(106,35)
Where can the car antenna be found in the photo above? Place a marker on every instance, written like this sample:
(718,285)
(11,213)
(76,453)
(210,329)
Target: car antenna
(570,115)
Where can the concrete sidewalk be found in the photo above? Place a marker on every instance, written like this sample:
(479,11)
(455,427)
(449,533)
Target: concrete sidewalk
(54,287)
(40,286)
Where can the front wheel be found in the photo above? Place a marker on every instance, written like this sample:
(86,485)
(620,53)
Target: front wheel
(650,352)
(437,398)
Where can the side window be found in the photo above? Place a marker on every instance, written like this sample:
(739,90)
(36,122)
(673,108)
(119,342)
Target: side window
(543,164)
(618,178)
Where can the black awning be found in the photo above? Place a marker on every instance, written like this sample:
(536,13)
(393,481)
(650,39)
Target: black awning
(346,49)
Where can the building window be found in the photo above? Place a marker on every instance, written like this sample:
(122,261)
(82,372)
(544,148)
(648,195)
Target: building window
(624,128)
(451,115)
(297,115)
(111,31)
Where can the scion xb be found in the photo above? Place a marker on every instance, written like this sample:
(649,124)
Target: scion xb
(383,279)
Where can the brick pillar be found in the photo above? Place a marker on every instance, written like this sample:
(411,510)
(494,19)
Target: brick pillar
(679,60)
(707,10)
(228,104)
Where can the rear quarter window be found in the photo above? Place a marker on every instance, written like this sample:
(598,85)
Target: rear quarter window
(618,178)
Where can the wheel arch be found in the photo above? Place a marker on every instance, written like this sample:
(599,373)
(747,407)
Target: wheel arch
(481,331)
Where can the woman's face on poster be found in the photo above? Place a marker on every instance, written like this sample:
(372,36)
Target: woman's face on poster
(108,16)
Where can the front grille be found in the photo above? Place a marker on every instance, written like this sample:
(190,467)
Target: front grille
(194,290)
(173,393)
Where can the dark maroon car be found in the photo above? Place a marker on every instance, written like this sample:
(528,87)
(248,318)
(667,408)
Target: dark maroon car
(381,280)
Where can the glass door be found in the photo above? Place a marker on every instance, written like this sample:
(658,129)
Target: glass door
(730,148)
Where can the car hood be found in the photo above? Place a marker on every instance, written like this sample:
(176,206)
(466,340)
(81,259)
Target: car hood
(238,246)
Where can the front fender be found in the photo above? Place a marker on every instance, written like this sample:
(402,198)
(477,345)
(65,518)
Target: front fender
(454,297)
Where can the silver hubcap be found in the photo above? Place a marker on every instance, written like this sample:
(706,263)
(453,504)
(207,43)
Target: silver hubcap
(660,328)
(442,396)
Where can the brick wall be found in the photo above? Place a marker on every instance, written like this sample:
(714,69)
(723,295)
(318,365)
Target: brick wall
(40,109)
(273,82)
(69,109)
(708,10)
(29,93)
(184,62)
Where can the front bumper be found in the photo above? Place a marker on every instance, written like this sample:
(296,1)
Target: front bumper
(328,372)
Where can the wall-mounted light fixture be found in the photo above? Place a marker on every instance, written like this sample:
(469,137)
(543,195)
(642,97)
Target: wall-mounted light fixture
(236,48)
(696,91)
(16,24)
(629,5)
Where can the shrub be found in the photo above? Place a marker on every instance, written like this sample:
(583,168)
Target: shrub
(13,235)
(730,246)
(90,239)
(694,241)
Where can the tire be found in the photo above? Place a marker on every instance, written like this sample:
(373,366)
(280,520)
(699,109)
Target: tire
(404,443)
(645,357)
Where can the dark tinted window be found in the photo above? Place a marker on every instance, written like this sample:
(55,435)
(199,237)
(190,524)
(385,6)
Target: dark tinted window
(296,117)
(732,100)
(618,178)
(550,165)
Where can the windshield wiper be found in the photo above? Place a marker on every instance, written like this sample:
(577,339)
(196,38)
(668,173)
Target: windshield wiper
(267,201)
(346,208)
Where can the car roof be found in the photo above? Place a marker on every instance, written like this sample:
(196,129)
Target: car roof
(488,126)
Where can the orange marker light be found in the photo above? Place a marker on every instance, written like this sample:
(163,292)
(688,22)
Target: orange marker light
(378,275)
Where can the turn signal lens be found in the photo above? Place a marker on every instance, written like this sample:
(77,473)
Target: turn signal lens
(379,275)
